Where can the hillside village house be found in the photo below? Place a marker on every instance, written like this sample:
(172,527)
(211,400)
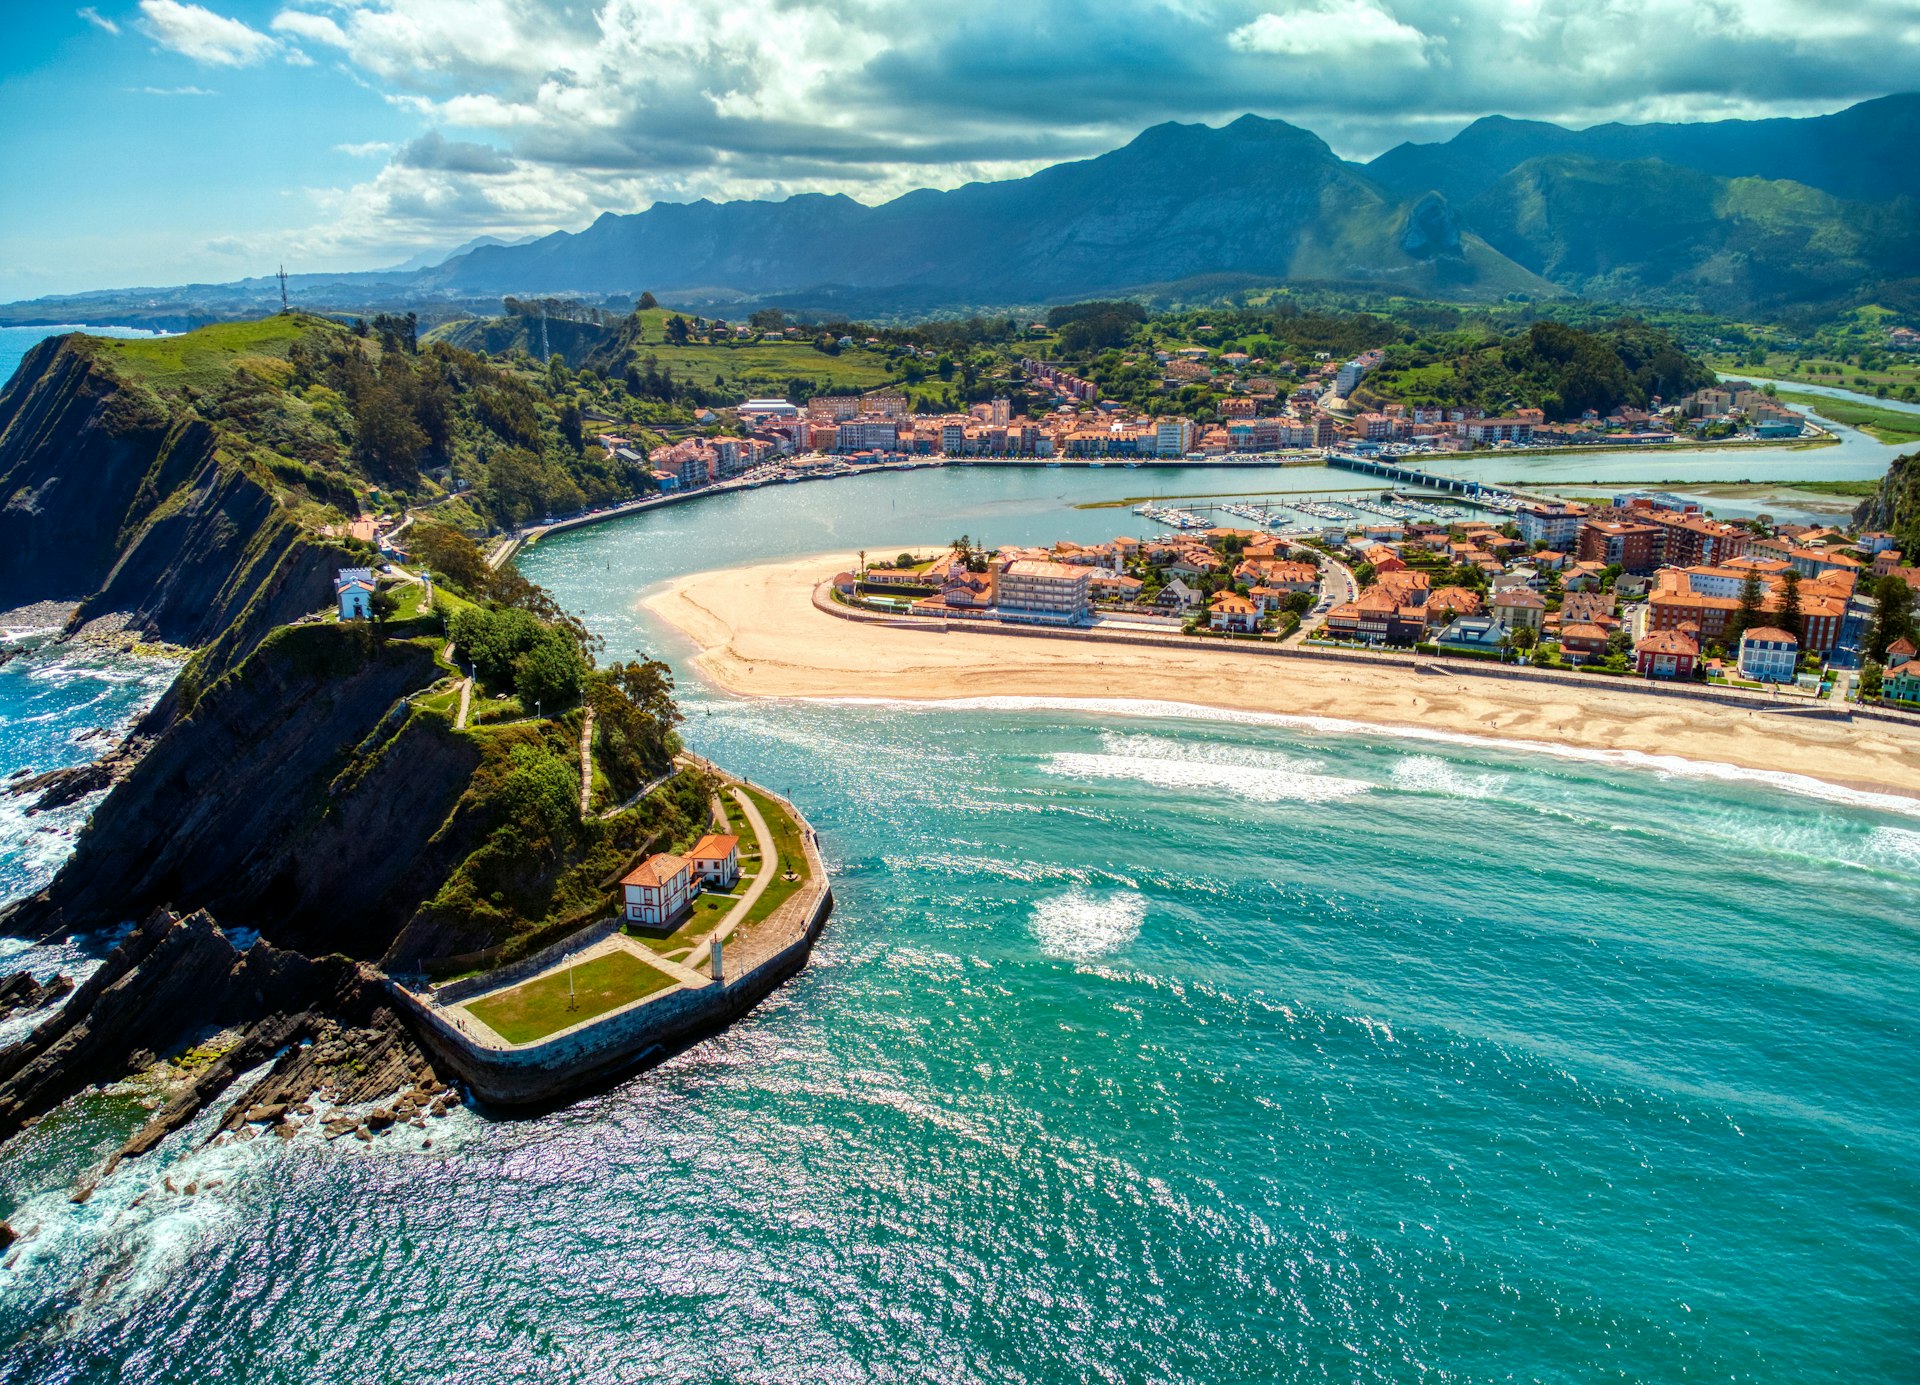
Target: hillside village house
(353,590)
(658,890)
(1769,655)
(715,860)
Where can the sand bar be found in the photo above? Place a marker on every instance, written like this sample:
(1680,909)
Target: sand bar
(760,635)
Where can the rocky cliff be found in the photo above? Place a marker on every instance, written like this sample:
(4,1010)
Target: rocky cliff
(297,797)
(110,497)
(1896,508)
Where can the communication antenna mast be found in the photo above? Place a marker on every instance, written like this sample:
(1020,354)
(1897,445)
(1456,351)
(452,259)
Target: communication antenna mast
(283,288)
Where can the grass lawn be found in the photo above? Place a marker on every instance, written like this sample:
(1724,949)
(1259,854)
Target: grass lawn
(786,840)
(202,358)
(1888,425)
(538,1008)
(446,703)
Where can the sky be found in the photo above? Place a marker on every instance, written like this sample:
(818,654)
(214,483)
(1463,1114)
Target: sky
(160,142)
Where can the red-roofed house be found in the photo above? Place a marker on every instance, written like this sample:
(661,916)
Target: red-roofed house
(658,890)
(715,858)
(1667,654)
(1234,613)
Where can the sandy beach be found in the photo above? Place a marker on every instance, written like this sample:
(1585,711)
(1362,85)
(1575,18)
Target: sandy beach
(761,636)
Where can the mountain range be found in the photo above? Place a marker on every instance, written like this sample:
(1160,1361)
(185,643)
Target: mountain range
(1761,217)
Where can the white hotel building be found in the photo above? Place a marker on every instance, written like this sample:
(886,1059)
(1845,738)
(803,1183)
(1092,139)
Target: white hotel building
(1043,593)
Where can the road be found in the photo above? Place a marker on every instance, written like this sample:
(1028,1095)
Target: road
(1337,587)
(769,867)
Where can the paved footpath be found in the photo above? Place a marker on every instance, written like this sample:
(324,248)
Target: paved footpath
(769,867)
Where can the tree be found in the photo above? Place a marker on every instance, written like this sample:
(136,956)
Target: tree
(382,605)
(452,554)
(677,330)
(550,675)
(647,302)
(1747,613)
(634,715)
(1788,617)
(390,440)
(1892,616)
(1524,637)
(1872,678)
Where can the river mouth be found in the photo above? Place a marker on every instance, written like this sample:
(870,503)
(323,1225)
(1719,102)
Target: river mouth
(1140,1047)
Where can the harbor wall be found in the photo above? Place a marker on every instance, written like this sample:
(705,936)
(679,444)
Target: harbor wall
(637,1035)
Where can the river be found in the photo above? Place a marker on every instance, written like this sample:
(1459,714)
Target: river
(1143,1045)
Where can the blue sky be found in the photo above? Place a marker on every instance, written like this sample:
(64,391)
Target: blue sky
(164,142)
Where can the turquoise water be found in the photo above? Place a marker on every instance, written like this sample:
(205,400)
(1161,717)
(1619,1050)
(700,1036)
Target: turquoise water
(60,706)
(15,342)
(1145,1045)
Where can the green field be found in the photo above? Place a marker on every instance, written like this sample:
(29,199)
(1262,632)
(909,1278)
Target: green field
(1888,425)
(772,364)
(786,841)
(203,357)
(540,1007)
(1899,372)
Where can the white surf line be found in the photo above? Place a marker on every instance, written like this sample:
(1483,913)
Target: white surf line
(1804,785)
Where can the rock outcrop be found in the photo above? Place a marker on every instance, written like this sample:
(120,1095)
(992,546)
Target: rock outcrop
(297,798)
(20,993)
(110,498)
(167,980)
(323,1024)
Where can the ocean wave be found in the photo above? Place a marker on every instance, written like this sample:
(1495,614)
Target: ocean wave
(1433,775)
(1080,925)
(1260,776)
(1803,785)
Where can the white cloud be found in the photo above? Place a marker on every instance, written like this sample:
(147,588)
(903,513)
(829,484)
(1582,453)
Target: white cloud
(370,149)
(98,20)
(1340,29)
(175,91)
(315,27)
(195,32)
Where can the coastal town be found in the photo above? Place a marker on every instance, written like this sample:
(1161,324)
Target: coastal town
(1641,585)
(1257,416)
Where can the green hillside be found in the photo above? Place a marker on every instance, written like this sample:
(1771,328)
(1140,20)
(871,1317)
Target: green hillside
(1650,231)
(335,421)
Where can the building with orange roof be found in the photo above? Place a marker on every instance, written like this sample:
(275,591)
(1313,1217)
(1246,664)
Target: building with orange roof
(1236,613)
(658,890)
(1448,602)
(1583,642)
(715,860)
(1769,654)
(1667,654)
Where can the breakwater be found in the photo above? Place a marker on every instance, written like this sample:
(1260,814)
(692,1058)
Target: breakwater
(636,1035)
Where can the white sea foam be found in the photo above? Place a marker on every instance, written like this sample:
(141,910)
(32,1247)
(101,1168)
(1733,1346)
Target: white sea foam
(1894,846)
(1258,775)
(1431,774)
(1080,925)
(1674,765)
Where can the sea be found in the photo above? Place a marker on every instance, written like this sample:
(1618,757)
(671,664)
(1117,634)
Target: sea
(1146,1044)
